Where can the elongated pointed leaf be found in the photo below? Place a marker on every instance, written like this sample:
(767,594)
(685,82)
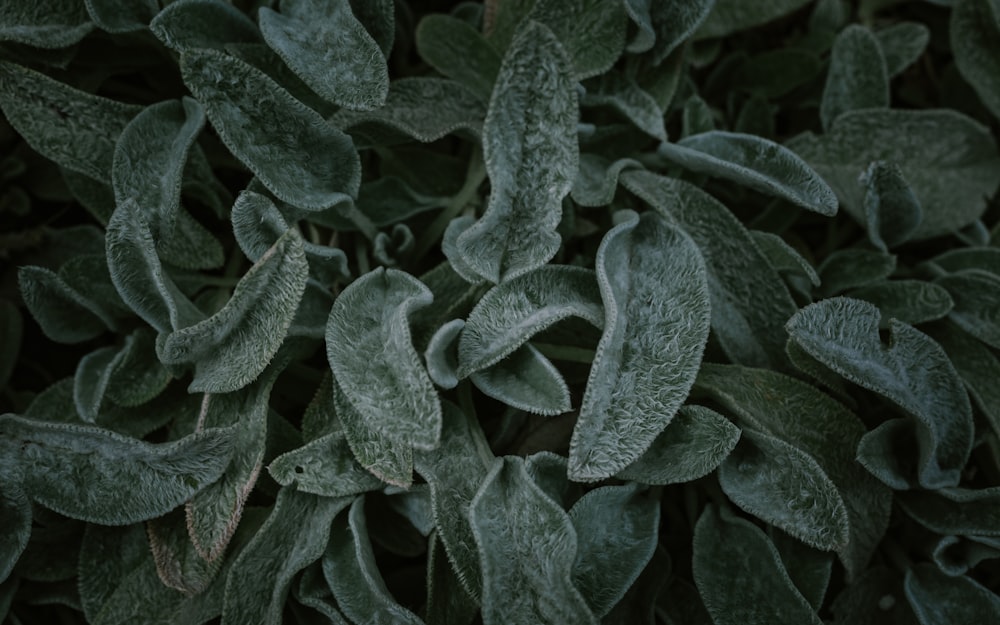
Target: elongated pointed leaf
(959,259)
(373,359)
(977,303)
(909,301)
(324,467)
(913,371)
(784,258)
(975,41)
(242,103)
(15,515)
(950,161)
(740,575)
(939,599)
(178,563)
(74,129)
(597,179)
(454,472)
(749,300)
(608,563)
(854,267)
(122,16)
(618,92)
(531,151)
(293,537)
(388,460)
(91,381)
(655,290)
(441,354)
(756,163)
(508,315)
(65,314)
(691,446)
(979,369)
(232,347)
(729,16)
(447,601)
(525,380)
(858,76)
(137,375)
(191,24)
(956,511)
(663,26)
(591,31)
(902,44)
(892,211)
(809,569)
(97,476)
(330,51)
(44,23)
(350,570)
(527,546)
(460,52)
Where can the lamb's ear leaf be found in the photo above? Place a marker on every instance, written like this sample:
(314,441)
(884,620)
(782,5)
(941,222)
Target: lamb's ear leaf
(909,301)
(858,77)
(597,179)
(122,16)
(90,381)
(950,161)
(138,375)
(609,562)
(978,366)
(64,314)
(532,155)
(510,515)
(454,472)
(957,555)
(786,260)
(178,563)
(854,267)
(352,574)
(902,44)
(783,485)
(423,108)
(371,353)
(49,24)
(233,94)
(294,536)
(313,592)
(15,516)
(441,354)
(329,49)
(875,598)
(617,91)
(740,575)
(231,348)
(691,446)
(977,300)
(379,19)
(730,16)
(656,312)
(913,371)
(749,300)
(809,569)
(509,314)
(139,276)
(448,603)
(324,466)
(756,163)
(663,26)
(460,52)
(76,130)
(975,41)
(892,211)
(955,511)
(388,460)
(591,31)
(525,380)
(938,598)
(959,259)
(94,475)
(191,24)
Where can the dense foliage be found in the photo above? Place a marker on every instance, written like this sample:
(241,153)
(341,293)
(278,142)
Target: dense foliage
(539,312)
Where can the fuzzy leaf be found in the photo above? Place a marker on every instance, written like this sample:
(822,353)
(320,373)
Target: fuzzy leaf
(608,563)
(525,380)
(269,131)
(454,472)
(294,536)
(441,354)
(460,52)
(350,569)
(619,92)
(137,375)
(64,314)
(939,599)
(729,16)
(740,575)
(909,301)
(91,381)
(950,161)
(959,259)
(913,371)
(756,163)
(978,366)
(809,569)
(74,129)
(854,267)
(232,347)
(691,446)
(655,291)
(330,51)
(749,302)
(975,41)
(508,315)
(122,16)
(191,24)
(977,303)
(591,31)
(784,258)
(44,23)
(663,26)
(372,356)
(955,511)
(892,211)
(531,152)
(178,563)
(447,602)
(858,76)
(597,179)
(15,516)
(902,44)
(324,466)
(389,461)
(97,476)
(528,547)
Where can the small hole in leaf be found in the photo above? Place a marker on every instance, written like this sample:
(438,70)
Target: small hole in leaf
(299,470)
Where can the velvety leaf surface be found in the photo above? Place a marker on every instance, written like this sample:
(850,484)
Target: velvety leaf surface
(730,16)
(268,129)
(388,460)
(509,314)
(371,353)
(858,76)
(854,267)
(531,152)
(939,599)
(754,162)
(892,211)
(663,26)
(622,94)
(913,371)
(977,303)
(784,258)
(740,575)
(15,514)
(975,41)
(525,380)
(808,568)
(460,52)
(591,31)
(978,367)
(528,547)
(329,49)
(441,355)
(192,24)
(597,179)
(876,598)
(44,23)
(324,466)
(952,511)
(902,44)
(909,301)
(122,16)
(655,290)
(950,161)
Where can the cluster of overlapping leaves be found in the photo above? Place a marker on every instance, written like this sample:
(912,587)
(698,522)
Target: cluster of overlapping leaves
(543,311)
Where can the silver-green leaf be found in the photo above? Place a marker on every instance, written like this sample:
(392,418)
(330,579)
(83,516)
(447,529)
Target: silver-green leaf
(858,76)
